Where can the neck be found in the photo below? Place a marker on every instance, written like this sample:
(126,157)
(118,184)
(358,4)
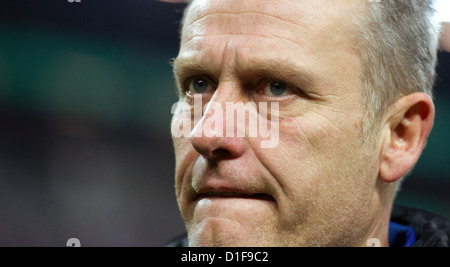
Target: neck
(382,216)
(379,233)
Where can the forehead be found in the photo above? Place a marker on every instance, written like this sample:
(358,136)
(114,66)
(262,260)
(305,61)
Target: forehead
(251,16)
(315,27)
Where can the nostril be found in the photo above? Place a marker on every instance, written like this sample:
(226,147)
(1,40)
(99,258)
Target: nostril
(222,154)
(218,148)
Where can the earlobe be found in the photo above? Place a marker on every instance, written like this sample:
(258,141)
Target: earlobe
(407,124)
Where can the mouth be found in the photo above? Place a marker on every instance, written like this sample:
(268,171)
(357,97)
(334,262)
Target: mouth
(224,195)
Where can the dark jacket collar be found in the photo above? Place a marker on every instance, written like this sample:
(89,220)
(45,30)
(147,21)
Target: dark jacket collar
(431,230)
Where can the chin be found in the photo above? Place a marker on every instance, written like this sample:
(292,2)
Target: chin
(225,240)
(222,233)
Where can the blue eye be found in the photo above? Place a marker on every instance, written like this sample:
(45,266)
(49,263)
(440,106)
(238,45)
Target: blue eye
(278,88)
(199,86)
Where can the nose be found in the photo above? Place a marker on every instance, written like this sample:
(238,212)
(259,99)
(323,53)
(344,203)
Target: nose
(211,135)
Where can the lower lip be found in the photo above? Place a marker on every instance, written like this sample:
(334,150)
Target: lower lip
(234,202)
(258,197)
(236,208)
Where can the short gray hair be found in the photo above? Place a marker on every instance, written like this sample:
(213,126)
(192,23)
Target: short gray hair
(398,42)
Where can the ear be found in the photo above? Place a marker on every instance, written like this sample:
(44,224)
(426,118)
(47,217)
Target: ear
(406,126)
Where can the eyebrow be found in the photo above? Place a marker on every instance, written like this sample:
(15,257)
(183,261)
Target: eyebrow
(186,65)
(282,69)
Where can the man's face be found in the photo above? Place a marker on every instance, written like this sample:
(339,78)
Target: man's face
(318,185)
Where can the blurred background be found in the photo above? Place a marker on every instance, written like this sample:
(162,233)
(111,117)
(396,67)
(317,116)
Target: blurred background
(86,91)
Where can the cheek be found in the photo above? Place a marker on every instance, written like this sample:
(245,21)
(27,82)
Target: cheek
(330,136)
(181,128)
(320,168)
(328,157)
(185,156)
(311,152)
(307,142)
(182,122)
(297,162)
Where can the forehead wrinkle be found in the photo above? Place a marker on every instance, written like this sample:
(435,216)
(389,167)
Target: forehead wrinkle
(224,34)
(292,12)
(205,16)
(247,23)
(301,45)
(283,10)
